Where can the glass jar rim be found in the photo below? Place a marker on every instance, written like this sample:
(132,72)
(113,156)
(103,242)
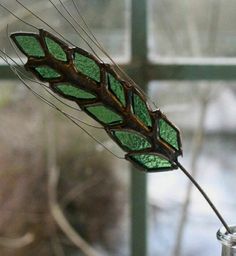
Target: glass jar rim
(226,238)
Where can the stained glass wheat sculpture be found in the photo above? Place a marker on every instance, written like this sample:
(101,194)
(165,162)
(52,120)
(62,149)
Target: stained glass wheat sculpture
(151,142)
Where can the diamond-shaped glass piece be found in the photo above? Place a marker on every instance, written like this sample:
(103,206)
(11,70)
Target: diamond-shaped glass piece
(151,162)
(168,133)
(87,66)
(55,49)
(117,89)
(129,140)
(67,89)
(104,114)
(28,44)
(47,72)
(140,110)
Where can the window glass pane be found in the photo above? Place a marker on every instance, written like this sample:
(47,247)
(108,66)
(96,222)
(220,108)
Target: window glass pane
(191,105)
(189,28)
(108,20)
(93,184)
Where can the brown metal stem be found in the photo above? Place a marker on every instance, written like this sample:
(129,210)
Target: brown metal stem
(205,196)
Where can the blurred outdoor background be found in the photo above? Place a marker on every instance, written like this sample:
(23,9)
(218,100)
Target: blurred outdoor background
(58,184)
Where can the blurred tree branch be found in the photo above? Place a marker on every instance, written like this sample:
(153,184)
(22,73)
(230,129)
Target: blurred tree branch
(23,13)
(204,98)
(53,178)
(79,190)
(17,243)
(197,146)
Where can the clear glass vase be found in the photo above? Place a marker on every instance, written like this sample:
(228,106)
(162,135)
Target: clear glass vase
(228,241)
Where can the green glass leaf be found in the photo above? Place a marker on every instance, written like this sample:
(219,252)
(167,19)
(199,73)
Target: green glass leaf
(168,133)
(55,49)
(104,114)
(151,162)
(116,87)
(29,44)
(70,90)
(131,140)
(87,66)
(47,72)
(141,111)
